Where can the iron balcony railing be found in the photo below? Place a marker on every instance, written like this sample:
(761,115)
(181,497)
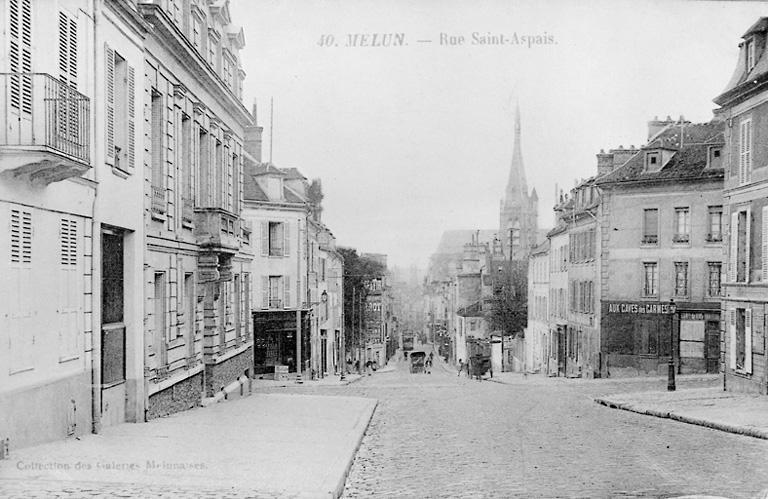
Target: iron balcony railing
(42,111)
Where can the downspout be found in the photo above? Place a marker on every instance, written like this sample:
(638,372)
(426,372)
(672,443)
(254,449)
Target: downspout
(95,262)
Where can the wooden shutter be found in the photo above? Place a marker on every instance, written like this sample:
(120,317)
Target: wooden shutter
(286,238)
(264,291)
(747,246)
(264,238)
(748,340)
(748,152)
(732,336)
(765,244)
(21,236)
(109,119)
(286,292)
(734,246)
(132,117)
(20,54)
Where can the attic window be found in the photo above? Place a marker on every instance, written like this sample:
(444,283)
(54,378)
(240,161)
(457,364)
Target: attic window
(652,161)
(714,159)
(750,48)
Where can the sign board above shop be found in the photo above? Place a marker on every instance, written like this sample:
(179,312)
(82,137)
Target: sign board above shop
(642,308)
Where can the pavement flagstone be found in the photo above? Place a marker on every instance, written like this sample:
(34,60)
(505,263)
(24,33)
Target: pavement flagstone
(711,407)
(265,445)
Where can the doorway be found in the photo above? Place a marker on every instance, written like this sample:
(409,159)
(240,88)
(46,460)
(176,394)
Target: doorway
(113,389)
(712,346)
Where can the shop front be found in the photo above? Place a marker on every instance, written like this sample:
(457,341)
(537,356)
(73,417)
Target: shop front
(280,339)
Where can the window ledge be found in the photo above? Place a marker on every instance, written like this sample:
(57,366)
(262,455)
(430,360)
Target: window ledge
(158,216)
(119,172)
(11,372)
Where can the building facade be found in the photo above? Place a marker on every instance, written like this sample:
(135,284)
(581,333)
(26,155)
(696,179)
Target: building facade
(538,308)
(744,109)
(661,228)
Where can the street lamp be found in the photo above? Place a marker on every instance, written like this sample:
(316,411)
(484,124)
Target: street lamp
(671,371)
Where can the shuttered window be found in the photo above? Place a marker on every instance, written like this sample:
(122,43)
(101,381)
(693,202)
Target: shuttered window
(68,241)
(745,151)
(21,236)
(120,111)
(650,226)
(20,54)
(109,118)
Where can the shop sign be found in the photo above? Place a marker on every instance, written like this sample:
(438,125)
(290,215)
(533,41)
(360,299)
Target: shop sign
(641,308)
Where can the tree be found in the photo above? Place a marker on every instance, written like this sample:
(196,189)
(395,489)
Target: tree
(315,198)
(358,271)
(509,308)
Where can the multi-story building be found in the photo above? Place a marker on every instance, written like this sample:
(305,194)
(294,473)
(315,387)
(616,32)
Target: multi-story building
(744,109)
(74,219)
(538,308)
(555,354)
(198,248)
(660,249)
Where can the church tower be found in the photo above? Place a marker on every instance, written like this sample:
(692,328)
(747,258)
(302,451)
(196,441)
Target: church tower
(518,219)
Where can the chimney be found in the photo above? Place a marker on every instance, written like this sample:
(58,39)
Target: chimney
(253,136)
(604,162)
(656,125)
(621,155)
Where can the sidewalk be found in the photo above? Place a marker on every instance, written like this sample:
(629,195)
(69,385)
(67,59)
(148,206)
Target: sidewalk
(265,444)
(711,407)
(515,378)
(333,380)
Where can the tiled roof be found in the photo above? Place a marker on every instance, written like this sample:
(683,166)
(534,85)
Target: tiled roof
(688,163)
(293,174)
(291,196)
(267,168)
(473,310)
(251,189)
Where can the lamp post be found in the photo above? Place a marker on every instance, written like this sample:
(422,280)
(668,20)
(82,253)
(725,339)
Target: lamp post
(671,371)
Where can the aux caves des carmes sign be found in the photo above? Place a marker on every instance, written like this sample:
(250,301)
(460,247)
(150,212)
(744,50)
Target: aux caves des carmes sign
(641,308)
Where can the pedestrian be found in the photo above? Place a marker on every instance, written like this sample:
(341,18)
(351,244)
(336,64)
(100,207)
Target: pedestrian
(357,366)
(428,366)
(461,367)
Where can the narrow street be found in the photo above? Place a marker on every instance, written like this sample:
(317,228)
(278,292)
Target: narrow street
(442,436)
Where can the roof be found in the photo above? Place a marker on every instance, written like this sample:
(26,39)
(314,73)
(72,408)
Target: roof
(688,163)
(473,310)
(267,169)
(540,248)
(743,81)
(453,241)
(293,174)
(252,191)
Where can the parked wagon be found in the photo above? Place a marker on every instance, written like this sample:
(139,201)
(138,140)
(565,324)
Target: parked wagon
(479,365)
(417,362)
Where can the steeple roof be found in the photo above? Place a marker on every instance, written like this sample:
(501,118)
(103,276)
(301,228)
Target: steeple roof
(517,188)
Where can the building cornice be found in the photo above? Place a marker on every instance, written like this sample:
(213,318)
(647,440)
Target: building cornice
(171,37)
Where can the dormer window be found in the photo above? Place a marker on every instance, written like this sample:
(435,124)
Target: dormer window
(715,157)
(750,49)
(652,161)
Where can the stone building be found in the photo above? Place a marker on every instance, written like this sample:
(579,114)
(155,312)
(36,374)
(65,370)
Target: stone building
(660,248)
(744,110)
(536,333)
(198,247)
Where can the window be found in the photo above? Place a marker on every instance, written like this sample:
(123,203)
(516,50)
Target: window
(66,108)
(21,236)
(205,167)
(158,153)
(650,279)
(275,285)
(715,224)
(682,225)
(715,157)
(681,279)
(197,38)
(714,274)
(68,242)
(749,47)
(745,151)
(652,162)
(650,226)
(740,332)
(20,54)
(276,239)
(120,111)
(739,254)
(186,157)
(190,300)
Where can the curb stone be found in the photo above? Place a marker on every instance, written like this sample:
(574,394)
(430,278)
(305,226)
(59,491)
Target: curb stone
(738,430)
(339,490)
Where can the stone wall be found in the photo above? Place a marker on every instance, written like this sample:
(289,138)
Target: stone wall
(184,395)
(220,375)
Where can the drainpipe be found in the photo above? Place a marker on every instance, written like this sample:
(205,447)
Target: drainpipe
(95,250)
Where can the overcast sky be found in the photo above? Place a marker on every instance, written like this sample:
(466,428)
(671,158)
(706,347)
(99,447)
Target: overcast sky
(413,140)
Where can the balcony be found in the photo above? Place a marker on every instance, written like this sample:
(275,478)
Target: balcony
(45,131)
(158,199)
(217,230)
(187,212)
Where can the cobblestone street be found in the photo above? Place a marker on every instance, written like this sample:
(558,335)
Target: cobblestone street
(442,436)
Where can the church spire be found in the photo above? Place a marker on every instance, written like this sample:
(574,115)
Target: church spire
(517,189)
